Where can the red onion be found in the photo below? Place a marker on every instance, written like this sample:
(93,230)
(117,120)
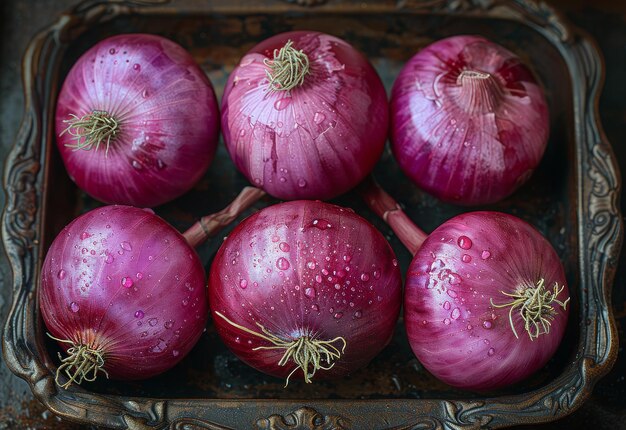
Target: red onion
(469,123)
(304,116)
(486,296)
(305,286)
(124,293)
(136,120)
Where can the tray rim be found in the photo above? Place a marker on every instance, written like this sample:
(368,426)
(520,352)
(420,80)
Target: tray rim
(598,190)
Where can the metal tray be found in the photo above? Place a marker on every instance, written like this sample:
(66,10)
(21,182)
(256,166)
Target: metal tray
(572,199)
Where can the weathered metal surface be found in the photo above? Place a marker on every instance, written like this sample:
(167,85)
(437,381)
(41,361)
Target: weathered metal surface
(577,211)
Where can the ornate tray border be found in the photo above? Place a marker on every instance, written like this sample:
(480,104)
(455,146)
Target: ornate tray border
(598,207)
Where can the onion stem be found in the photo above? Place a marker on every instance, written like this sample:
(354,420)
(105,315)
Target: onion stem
(287,69)
(305,351)
(82,364)
(91,130)
(480,92)
(534,308)
(208,226)
(390,211)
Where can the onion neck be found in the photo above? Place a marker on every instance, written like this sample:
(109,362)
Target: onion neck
(306,352)
(287,69)
(210,225)
(81,364)
(91,130)
(390,211)
(535,307)
(480,92)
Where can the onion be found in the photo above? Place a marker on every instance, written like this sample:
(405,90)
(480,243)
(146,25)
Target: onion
(486,296)
(136,120)
(469,123)
(304,116)
(124,293)
(305,286)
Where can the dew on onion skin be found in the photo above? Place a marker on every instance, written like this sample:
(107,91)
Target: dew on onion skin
(168,324)
(281,104)
(74,307)
(338,315)
(61,274)
(126,246)
(85,235)
(153,321)
(127,282)
(485,255)
(160,346)
(139,314)
(310,292)
(310,265)
(446,321)
(284,246)
(243,284)
(321,224)
(358,314)
(491,352)
(487,324)
(282,263)
(464,242)
(456,313)
(136,67)
(446,305)
(302,184)
(316,308)
(365,277)
(175,352)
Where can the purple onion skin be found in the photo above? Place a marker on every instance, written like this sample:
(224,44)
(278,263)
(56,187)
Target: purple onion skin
(452,327)
(313,142)
(122,280)
(168,114)
(306,267)
(466,144)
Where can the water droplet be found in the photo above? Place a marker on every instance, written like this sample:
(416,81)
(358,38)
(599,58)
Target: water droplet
(282,179)
(160,164)
(316,308)
(358,314)
(486,341)
(127,282)
(338,315)
(318,279)
(485,254)
(379,298)
(61,274)
(243,284)
(74,307)
(136,67)
(491,352)
(310,265)
(337,286)
(318,117)
(347,258)
(92,252)
(281,104)
(139,314)
(466,143)
(447,321)
(466,258)
(301,182)
(112,51)
(310,292)
(282,263)
(452,293)
(365,277)
(84,235)
(175,352)
(454,279)
(185,302)
(145,94)
(144,333)
(160,346)
(394,262)
(446,305)
(456,313)
(487,324)
(83,251)
(153,321)
(168,324)
(464,242)
(321,224)
(469,327)
(284,246)
(376,274)
(108,226)
(126,246)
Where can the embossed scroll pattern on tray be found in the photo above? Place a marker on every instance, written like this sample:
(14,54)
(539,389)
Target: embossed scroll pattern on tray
(598,190)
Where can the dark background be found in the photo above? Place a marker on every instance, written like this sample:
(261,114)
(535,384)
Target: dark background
(605,20)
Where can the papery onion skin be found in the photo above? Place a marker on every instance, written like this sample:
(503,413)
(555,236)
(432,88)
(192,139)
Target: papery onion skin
(470,140)
(315,141)
(167,113)
(124,282)
(460,269)
(306,267)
